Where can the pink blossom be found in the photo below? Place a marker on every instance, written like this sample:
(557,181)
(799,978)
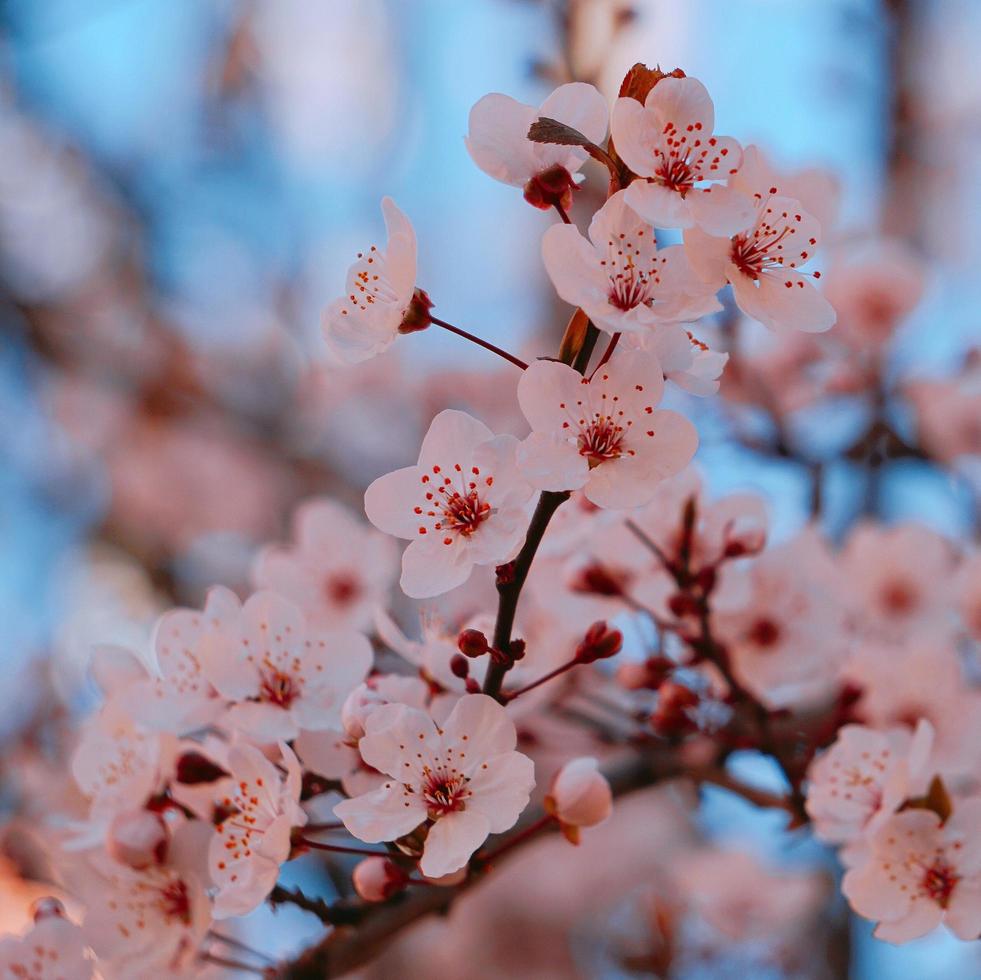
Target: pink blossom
(580,794)
(685,360)
(668,142)
(920,873)
(138,838)
(282,676)
(53,949)
(948,411)
(380,285)
(464,778)
(619,276)
(603,433)
(498,140)
(464,503)
(337,570)
(261,808)
(763,257)
(862,779)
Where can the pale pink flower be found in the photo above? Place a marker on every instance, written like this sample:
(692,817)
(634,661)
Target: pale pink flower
(253,839)
(602,433)
(53,949)
(380,285)
(465,779)
(430,654)
(763,258)
(948,411)
(782,623)
(580,794)
(337,570)
(334,754)
(181,697)
(920,873)
(281,675)
(691,364)
(619,276)
(498,140)
(863,778)
(898,579)
(669,143)
(463,504)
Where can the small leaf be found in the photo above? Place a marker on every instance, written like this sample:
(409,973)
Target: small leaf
(545,130)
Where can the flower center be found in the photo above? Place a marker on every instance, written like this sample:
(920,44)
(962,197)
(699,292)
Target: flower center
(600,440)
(175,903)
(769,245)
(445,793)
(938,883)
(764,633)
(278,688)
(342,589)
(456,507)
(633,269)
(898,597)
(677,175)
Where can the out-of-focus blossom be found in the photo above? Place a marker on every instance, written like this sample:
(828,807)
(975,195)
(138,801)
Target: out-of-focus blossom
(580,796)
(465,778)
(669,143)
(379,287)
(259,810)
(619,276)
(462,504)
(687,361)
(498,138)
(921,871)
(337,570)
(602,434)
(948,412)
(281,675)
(969,594)
(52,949)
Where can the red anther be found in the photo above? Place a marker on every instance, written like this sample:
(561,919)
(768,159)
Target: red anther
(599,643)
(472,643)
(551,188)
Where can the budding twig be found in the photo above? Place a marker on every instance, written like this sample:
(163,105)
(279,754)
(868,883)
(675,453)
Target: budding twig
(487,345)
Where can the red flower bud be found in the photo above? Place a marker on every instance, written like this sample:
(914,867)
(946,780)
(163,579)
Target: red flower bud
(459,665)
(599,643)
(550,188)
(472,643)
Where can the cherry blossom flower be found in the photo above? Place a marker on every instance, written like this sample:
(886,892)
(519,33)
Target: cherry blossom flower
(337,571)
(580,796)
(619,276)
(669,143)
(898,579)
(380,287)
(763,258)
(921,872)
(260,808)
(465,779)
(685,360)
(464,503)
(864,777)
(53,949)
(281,675)
(948,411)
(498,141)
(602,434)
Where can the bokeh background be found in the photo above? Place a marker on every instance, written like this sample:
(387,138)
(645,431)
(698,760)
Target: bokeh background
(184,182)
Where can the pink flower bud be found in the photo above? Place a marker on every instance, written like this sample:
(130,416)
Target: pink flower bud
(138,838)
(580,794)
(377,879)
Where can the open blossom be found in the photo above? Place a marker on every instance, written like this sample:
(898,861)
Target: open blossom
(864,777)
(260,807)
(282,676)
(53,949)
(337,570)
(763,258)
(465,780)
(687,361)
(380,287)
(498,140)
(669,143)
(619,276)
(921,872)
(463,504)
(603,434)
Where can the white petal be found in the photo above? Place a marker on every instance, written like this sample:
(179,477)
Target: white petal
(498,140)
(661,206)
(432,568)
(721,210)
(501,787)
(451,841)
(451,439)
(783,300)
(482,725)
(551,462)
(382,815)
(683,102)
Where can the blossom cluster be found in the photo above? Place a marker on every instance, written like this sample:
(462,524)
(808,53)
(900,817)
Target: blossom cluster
(579,569)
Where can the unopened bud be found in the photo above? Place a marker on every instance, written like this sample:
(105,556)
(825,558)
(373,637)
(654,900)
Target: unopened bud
(459,665)
(47,908)
(194,768)
(517,650)
(599,643)
(377,879)
(597,580)
(472,643)
(650,674)
(580,795)
(417,315)
(138,838)
(550,188)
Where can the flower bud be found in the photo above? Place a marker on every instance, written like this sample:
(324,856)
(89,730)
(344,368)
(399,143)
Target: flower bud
(599,643)
(550,188)
(459,665)
(138,838)
(193,768)
(47,908)
(516,648)
(377,879)
(580,795)
(674,702)
(472,643)
(597,580)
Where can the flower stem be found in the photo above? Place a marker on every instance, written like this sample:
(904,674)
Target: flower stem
(511,695)
(563,214)
(338,848)
(517,362)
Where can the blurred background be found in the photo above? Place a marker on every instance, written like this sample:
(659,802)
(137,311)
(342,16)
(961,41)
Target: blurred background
(182,187)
